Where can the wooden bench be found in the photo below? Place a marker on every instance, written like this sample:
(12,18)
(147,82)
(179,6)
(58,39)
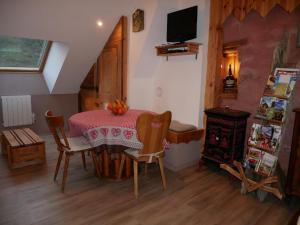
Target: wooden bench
(184,146)
(183,133)
(177,137)
(23,147)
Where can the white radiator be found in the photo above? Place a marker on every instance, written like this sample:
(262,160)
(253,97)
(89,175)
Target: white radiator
(16,110)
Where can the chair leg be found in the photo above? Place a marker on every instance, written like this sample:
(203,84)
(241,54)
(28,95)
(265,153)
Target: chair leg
(83,160)
(146,168)
(95,162)
(106,163)
(67,159)
(162,172)
(58,164)
(121,166)
(117,163)
(128,166)
(135,178)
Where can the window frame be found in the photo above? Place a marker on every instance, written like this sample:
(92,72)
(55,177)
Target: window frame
(34,71)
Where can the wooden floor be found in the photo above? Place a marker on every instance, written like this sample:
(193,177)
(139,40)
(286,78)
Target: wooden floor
(29,196)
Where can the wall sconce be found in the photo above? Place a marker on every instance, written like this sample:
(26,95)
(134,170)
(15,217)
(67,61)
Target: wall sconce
(229,72)
(230,59)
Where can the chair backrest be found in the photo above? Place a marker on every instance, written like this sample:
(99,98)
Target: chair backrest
(56,126)
(152,131)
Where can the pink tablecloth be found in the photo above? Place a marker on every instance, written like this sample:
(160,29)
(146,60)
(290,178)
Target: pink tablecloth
(102,127)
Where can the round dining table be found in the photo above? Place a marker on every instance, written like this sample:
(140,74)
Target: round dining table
(110,133)
(102,127)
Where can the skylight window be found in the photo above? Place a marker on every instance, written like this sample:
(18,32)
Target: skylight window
(23,54)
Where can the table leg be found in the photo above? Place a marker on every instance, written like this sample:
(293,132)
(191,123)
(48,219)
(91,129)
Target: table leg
(117,165)
(100,162)
(128,166)
(106,163)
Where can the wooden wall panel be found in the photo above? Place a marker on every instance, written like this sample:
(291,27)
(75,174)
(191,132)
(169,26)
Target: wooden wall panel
(90,92)
(215,43)
(125,59)
(87,100)
(240,8)
(227,9)
(112,64)
(91,79)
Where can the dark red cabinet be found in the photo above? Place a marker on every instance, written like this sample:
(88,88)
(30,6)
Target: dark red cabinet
(225,135)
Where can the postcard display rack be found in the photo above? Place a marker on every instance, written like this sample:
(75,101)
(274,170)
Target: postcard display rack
(258,171)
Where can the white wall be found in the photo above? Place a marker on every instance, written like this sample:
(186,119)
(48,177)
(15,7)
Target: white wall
(181,79)
(69,21)
(142,62)
(177,84)
(22,84)
(56,58)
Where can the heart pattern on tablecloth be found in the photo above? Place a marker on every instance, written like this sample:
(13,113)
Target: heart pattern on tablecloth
(94,134)
(127,134)
(104,131)
(115,132)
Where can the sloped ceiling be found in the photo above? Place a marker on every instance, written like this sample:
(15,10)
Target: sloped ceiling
(72,22)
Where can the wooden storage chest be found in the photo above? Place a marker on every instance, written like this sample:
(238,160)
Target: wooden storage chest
(23,147)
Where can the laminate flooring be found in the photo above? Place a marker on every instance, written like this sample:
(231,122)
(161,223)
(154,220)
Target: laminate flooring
(29,196)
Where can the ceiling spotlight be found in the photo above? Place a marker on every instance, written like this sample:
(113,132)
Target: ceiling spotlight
(99,23)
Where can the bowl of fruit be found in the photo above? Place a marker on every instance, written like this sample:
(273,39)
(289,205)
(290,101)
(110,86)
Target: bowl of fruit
(117,107)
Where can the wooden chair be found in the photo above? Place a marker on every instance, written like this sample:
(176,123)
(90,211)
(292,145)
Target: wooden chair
(68,146)
(152,131)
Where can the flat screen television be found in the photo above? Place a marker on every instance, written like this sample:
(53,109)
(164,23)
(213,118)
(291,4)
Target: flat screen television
(182,25)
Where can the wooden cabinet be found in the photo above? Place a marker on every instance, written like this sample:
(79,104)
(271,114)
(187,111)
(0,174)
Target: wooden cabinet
(112,66)
(225,135)
(293,176)
(107,79)
(87,97)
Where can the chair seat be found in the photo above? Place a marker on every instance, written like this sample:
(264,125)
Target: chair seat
(133,152)
(136,154)
(78,144)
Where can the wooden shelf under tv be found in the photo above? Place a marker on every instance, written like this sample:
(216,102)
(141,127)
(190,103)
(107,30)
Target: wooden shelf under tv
(186,48)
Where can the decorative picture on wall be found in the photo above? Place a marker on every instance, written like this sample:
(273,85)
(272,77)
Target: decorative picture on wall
(138,20)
